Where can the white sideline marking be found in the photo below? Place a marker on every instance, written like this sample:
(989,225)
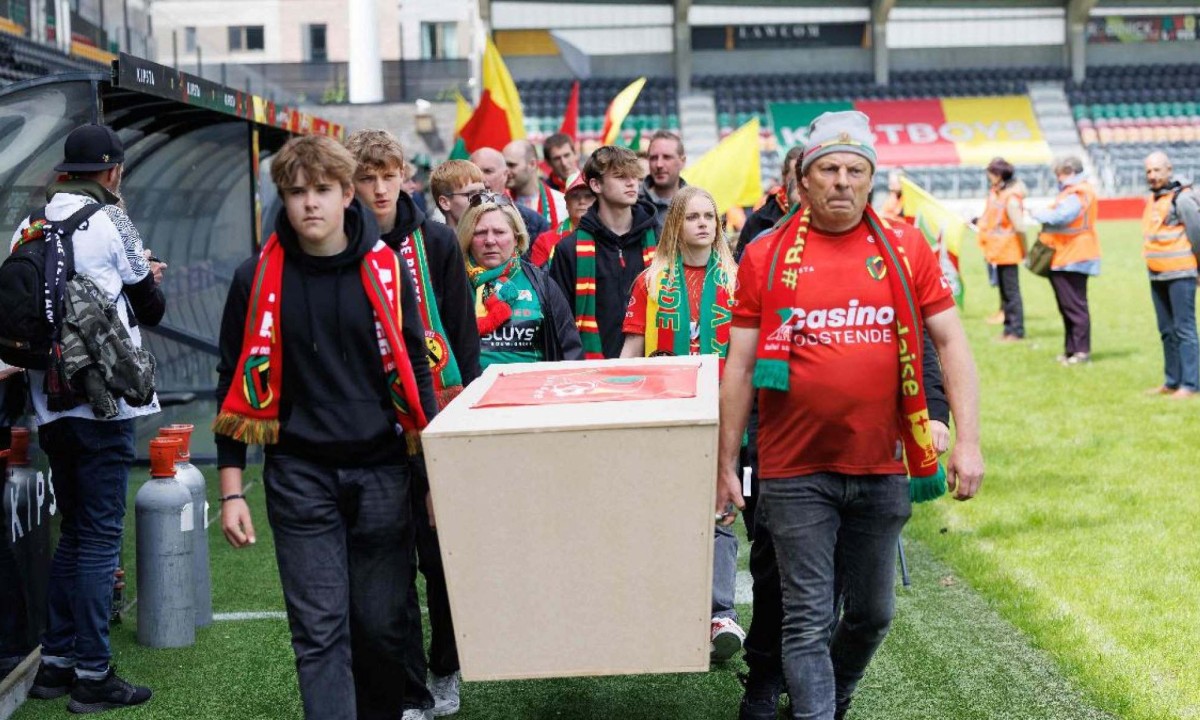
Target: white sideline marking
(743,593)
(237,616)
(265,615)
(208,521)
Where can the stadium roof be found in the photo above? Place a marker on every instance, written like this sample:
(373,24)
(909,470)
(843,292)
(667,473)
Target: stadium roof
(903,3)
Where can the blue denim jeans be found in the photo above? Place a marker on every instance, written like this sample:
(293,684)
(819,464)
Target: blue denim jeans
(835,540)
(89,465)
(1175,308)
(724,583)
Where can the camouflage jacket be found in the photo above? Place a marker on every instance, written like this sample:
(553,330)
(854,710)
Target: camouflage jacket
(99,358)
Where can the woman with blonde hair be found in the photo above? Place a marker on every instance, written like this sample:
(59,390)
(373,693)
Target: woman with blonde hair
(682,305)
(521,316)
(693,254)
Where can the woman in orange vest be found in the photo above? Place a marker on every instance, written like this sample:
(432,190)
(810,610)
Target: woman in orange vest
(1171,242)
(1002,237)
(1069,226)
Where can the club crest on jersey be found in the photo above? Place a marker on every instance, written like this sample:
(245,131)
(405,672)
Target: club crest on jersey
(876,268)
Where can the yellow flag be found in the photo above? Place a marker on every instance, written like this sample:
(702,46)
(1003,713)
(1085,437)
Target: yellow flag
(619,109)
(503,91)
(732,171)
(462,113)
(942,227)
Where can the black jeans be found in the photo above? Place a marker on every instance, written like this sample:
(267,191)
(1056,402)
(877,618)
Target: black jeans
(1070,292)
(344,543)
(763,647)
(835,539)
(1009,277)
(443,648)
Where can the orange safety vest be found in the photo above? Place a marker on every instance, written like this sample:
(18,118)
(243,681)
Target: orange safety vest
(1166,247)
(1001,243)
(1077,242)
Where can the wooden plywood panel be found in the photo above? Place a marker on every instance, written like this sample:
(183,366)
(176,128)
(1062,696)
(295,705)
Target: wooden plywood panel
(584,551)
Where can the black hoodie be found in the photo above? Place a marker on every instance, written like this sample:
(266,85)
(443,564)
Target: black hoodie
(336,408)
(448,274)
(618,263)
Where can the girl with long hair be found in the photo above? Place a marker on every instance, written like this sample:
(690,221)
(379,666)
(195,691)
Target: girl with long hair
(682,305)
(694,263)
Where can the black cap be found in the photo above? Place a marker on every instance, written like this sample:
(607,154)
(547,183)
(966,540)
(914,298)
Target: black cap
(91,148)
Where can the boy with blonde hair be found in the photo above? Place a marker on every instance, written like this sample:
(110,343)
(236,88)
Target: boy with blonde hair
(452,184)
(446,303)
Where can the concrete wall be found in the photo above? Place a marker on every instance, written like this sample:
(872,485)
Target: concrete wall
(532,67)
(745,62)
(1143,53)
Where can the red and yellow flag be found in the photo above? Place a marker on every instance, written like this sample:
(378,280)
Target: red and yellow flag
(619,109)
(498,118)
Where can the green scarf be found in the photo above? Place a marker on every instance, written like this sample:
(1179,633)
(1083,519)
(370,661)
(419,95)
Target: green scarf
(447,381)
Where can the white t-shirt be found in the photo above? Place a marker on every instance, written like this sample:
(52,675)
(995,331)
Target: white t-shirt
(108,249)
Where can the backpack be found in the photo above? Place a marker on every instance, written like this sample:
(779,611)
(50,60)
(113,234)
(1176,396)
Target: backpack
(33,283)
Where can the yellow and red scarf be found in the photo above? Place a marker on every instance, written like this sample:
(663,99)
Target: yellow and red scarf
(250,412)
(927,478)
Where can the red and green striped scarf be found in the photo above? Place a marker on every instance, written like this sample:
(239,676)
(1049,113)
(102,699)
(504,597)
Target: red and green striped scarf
(585,289)
(546,204)
(250,411)
(927,478)
(668,313)
(447,381)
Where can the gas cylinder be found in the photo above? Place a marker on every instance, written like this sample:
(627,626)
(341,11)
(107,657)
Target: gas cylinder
(28,493)
(29,503)
(165,526)
(193,480)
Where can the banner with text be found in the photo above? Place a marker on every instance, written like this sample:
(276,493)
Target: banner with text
(1143,28)
(947,131)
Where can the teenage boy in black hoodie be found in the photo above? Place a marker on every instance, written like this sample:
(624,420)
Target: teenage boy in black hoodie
(596,265)
(438,270)
(438,261)
(313,351)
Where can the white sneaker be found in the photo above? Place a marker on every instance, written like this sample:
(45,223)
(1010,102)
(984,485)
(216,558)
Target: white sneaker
(415,714)
(445,694)
(727,639)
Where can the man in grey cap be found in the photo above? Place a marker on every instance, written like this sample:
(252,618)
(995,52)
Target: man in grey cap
(827,308)
(90,458)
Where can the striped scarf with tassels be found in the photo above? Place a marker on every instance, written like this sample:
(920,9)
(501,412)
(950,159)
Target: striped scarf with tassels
(927,478)
(447,380)
(250,411)
(585,289)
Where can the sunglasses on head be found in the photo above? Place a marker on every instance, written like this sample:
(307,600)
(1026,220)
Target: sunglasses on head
(489,197)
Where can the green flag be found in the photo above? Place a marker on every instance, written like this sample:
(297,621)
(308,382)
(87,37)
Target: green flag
(459,151)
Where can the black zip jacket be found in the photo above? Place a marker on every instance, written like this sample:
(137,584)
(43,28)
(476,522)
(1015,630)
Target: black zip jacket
(618,263)
(761,219)
(448,273)
(560,337)
(336,408)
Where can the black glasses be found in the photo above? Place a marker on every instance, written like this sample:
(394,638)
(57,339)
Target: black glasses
(490,197)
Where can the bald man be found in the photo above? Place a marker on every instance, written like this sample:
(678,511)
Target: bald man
(490,162)
(526,184)
(1171,246)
